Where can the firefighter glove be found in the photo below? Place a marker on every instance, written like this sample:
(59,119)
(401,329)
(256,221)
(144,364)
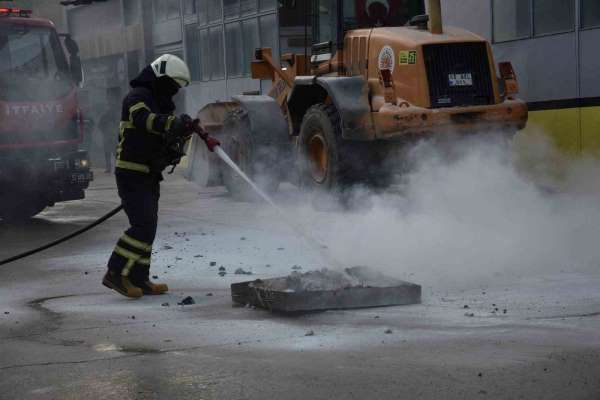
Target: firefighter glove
(182,126)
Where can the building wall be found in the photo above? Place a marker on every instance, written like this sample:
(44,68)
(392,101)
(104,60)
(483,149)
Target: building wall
(219,42)
(473,15)
(110,49)
(103,41)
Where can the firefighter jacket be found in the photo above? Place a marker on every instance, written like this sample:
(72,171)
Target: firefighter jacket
(145,117)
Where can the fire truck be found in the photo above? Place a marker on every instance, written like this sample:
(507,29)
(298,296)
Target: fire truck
(41,127)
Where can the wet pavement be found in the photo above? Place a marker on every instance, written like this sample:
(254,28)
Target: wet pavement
(64,336)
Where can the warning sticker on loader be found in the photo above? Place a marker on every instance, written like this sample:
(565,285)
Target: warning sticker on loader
(407,57)
(387,58)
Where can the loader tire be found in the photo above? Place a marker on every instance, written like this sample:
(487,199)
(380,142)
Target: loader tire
(253,153)
(326,161)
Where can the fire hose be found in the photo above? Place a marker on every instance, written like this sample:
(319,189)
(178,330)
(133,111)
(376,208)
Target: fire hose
(63,239)
(195,127)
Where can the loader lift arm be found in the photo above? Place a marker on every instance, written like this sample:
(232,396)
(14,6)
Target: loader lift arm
(263,67)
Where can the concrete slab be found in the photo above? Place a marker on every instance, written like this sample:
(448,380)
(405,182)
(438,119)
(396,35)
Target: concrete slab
(357,287)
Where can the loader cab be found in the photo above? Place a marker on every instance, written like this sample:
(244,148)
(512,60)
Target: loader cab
(317,28)
(334,17)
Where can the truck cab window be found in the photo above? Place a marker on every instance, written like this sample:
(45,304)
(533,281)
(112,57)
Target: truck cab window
(31,56)
(28,52)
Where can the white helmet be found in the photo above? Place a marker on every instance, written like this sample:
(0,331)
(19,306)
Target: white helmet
(173,67)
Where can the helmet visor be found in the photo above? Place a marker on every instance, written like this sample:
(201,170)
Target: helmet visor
(181,82)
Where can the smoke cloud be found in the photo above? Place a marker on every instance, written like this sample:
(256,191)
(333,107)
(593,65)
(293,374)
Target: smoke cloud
(472,210)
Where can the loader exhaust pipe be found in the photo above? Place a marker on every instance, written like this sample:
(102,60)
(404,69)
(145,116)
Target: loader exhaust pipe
(435,17)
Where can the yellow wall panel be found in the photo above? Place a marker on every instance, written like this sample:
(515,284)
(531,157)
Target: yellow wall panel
(563,126)
(590,130)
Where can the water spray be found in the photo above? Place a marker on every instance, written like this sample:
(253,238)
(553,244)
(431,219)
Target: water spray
(214,146)
(300,231)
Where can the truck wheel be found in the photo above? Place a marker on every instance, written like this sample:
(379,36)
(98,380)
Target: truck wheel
(15,212)
(252,152)
(325,159)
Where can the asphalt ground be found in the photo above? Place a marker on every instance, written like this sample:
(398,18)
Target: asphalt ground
(65,336)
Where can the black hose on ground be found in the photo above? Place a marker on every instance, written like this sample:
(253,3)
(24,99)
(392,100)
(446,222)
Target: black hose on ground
(63,239)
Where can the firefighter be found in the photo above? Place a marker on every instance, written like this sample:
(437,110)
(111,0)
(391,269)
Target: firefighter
(147,126)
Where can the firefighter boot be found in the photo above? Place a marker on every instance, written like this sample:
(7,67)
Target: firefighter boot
(122,284)
(141,278)
(151,288)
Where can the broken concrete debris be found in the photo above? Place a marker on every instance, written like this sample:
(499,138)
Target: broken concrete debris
(187,301)
(241,271)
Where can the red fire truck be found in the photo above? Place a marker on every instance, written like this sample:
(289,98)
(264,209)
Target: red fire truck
(40,122)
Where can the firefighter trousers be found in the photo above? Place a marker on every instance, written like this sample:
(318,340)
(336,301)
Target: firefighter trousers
(139,195)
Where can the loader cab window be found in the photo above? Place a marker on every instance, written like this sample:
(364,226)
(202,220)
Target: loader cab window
(325,24)
(295,26)
(360,14)
(378,13)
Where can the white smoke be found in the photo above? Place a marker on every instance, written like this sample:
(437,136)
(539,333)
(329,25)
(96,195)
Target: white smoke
(472,210)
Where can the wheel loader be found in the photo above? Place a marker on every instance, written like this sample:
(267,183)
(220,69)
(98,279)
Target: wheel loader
(381,80)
